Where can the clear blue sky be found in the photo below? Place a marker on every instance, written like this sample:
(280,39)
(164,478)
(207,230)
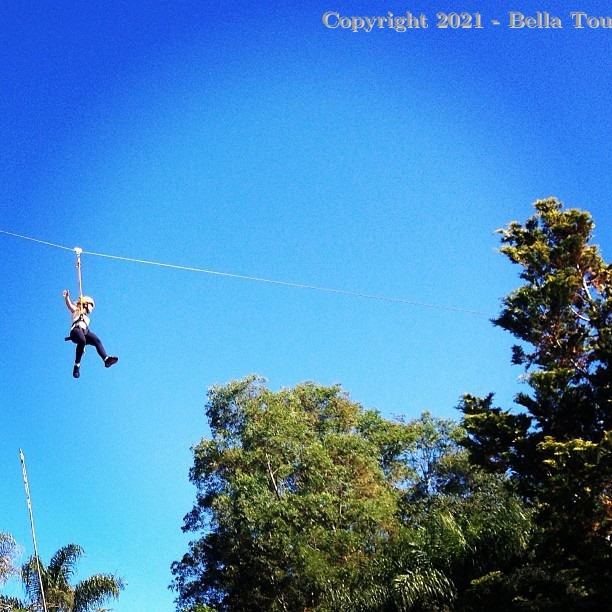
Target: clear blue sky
(251,139)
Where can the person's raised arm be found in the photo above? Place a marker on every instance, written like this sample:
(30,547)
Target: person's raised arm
(71,307)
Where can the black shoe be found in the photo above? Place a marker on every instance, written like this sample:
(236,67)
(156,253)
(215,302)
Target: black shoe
(109,361)
(76,371)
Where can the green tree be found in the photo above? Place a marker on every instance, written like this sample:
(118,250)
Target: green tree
(558,447)
(60,595)
(306,501)
(293,500)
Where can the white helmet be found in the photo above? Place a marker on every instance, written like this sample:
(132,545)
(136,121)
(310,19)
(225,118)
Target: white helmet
(85,299)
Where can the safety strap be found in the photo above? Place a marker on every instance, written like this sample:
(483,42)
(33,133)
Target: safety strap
(78,252)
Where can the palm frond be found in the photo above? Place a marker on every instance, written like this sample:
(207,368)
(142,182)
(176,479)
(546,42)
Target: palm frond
(29,578)
(61,567)
(93,591)
(423,585)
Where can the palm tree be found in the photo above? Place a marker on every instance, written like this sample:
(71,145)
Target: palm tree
(60,595)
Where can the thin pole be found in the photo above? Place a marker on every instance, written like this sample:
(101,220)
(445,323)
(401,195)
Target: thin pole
(78,252)
(27,491)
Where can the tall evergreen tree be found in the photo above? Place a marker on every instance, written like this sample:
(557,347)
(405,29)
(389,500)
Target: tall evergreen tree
(558,447)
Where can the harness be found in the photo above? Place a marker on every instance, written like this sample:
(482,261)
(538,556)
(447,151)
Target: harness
(81,319)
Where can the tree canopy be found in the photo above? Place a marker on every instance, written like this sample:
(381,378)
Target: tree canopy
(307,501)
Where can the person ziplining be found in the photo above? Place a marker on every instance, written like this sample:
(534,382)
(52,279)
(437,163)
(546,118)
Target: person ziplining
(80,333)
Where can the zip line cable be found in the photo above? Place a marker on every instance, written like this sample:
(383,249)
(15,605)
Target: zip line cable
(249,278)
(57,246)
(27,492)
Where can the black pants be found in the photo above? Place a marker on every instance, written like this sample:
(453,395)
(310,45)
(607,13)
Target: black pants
(82,337)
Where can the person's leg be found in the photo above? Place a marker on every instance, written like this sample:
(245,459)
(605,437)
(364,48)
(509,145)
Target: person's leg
(78,337)
(93,340)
